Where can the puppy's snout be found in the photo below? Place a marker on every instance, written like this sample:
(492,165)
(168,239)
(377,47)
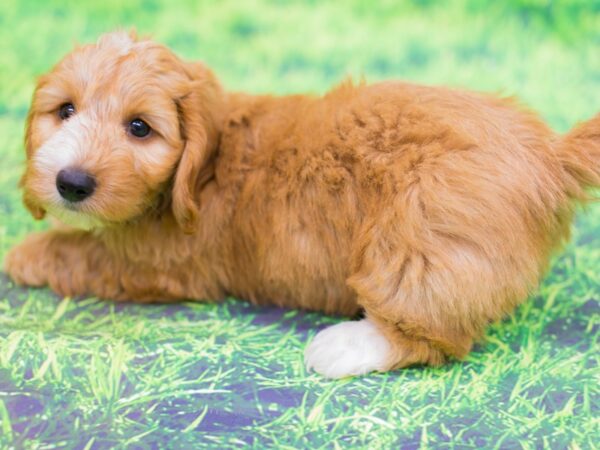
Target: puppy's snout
(75,185)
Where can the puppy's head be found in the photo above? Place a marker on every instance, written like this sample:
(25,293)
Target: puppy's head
(114,128)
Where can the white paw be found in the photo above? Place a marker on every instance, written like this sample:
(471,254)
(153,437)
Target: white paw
(348,348)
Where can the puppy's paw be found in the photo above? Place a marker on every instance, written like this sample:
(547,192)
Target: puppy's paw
(24,263)
(348,348)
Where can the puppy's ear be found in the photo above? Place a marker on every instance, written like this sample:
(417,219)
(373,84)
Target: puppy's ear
(200,112)
(36,211)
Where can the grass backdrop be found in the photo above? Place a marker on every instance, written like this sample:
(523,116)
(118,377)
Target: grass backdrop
(91,374)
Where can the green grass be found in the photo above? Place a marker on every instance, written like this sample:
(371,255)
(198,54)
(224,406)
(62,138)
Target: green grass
(92,374)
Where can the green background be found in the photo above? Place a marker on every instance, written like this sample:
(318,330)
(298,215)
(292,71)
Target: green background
(91,374)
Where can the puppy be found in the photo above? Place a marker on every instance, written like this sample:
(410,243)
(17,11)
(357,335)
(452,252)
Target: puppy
(434,211)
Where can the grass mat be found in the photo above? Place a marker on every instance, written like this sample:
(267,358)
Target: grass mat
(92,374)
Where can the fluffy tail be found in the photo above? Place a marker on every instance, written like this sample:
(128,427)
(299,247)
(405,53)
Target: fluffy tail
(580,154)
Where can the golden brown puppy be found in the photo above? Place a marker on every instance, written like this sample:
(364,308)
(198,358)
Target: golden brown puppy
(434,210)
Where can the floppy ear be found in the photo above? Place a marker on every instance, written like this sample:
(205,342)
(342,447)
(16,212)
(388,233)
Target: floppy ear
(200,113)
(36,211)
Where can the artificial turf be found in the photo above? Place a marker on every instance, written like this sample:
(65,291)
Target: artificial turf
(92,374)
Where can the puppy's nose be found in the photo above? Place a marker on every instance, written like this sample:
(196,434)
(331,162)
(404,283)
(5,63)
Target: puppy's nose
(74,185)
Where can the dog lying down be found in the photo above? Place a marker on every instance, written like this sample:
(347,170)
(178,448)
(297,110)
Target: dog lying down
(435,211)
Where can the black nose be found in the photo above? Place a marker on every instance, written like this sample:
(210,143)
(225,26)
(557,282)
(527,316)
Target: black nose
(74,185)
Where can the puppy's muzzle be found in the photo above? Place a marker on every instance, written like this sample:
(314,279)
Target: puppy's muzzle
(75,185)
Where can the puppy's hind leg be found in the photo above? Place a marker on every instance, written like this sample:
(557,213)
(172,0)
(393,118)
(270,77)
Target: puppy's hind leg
(348,348)
(414,315)
(424,302)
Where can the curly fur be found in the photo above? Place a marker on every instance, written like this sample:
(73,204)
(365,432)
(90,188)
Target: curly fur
(433,210)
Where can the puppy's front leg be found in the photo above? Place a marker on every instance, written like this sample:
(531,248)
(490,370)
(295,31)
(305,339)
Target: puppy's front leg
(78,262)
(70,262)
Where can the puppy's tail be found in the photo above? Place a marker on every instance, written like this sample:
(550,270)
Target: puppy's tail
(579,152)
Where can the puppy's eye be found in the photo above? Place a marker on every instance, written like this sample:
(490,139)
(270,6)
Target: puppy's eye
(66,110)
(139,128)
